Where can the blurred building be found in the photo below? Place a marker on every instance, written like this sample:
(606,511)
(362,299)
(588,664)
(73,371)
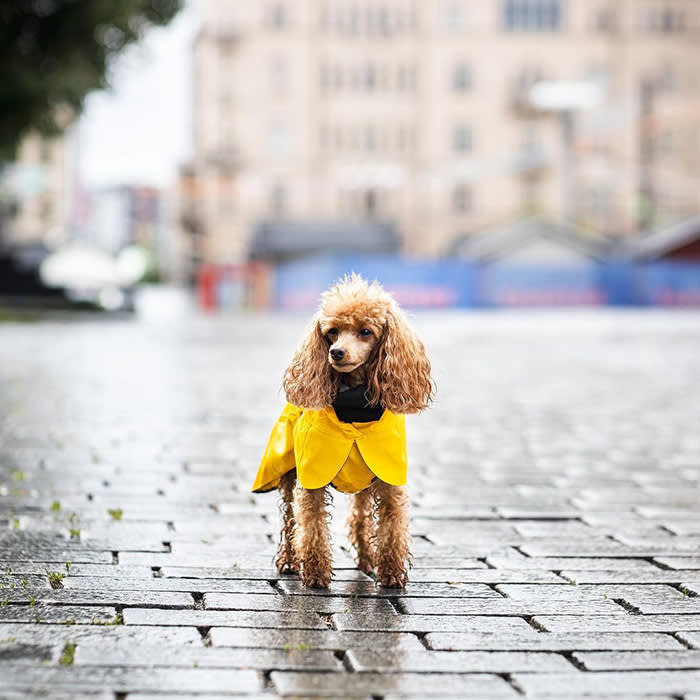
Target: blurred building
(35,191)
(418,112)
(119,216)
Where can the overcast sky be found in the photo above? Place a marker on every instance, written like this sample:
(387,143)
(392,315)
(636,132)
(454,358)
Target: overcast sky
(139,132)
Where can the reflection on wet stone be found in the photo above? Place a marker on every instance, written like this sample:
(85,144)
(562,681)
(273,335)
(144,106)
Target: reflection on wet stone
(553,489)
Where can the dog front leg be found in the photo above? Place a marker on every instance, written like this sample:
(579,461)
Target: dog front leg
(393,540)
(286,560)
(313,537)
(363,530)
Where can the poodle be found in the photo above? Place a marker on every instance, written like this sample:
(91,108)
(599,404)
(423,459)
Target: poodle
(359,370)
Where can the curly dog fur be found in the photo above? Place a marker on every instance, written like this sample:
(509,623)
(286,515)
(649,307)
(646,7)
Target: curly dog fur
(364,324)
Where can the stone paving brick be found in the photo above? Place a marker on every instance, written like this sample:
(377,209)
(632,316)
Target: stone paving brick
(533,641)
(629,592)
(428,623)
(28,568)
(367,660)
(65,596)
(184,585)
(569,696)
(31,633)
(294,658)
(57,614)
(691,638)
(584,547)
(204,696)
(447,575)
(76,694)
(405,684)
(638,660)
(222,618)
(31,654)
(205,680)
(313,639)
(571,563)
(295,603)
(476,606)
(679,562)
(607,683)
(671,577)
(618,623)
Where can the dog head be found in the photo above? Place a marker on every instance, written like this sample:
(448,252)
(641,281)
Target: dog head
(359,325)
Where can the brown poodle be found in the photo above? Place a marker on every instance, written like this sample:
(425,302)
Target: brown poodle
(358,371)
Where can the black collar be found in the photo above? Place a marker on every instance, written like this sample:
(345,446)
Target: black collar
(351,406)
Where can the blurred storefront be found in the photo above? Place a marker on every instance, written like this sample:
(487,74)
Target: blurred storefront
(528,264)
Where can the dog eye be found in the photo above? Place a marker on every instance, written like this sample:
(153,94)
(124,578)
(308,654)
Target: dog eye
(332,331)
(365,332)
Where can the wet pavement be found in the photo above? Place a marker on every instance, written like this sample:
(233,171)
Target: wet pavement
(555,518)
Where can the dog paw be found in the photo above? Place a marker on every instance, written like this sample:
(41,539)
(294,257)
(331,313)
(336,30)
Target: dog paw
(315,580)
(393,579)
(287,567)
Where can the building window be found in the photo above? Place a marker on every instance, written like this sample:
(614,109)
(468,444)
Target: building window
(605,21)
(462,139)
(532,15)
(370,140)
(401,139)
(665,143)
(412,79)
(354,21)
(371,204)
(462,78)
(666,79)
(338,78)
(666,21)
(462,199)
(278,140)
(277,16)
(278,201)
(401,78)
(455,16)
(370,78)
(278,76)
(383,21)
(324,78)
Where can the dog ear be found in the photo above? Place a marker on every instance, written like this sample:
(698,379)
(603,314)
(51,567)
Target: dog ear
(309,381)
(399,378)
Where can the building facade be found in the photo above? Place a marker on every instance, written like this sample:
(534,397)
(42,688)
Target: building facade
(418,112)
(37,187)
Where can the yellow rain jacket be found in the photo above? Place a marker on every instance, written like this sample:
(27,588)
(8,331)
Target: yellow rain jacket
(324,450)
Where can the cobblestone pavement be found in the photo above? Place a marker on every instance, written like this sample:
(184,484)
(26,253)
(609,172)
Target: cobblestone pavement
(555,516)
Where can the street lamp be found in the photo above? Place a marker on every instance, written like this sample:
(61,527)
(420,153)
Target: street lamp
(564,98)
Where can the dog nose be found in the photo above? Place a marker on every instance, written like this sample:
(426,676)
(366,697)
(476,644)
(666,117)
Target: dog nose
(337,353)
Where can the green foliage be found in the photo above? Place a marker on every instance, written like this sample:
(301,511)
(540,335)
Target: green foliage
(115,513)
(74,526)
(54,52)
(55,578)
(118,619)
(68,654)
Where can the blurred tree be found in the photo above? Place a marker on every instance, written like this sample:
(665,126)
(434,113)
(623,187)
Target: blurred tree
(54,52)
